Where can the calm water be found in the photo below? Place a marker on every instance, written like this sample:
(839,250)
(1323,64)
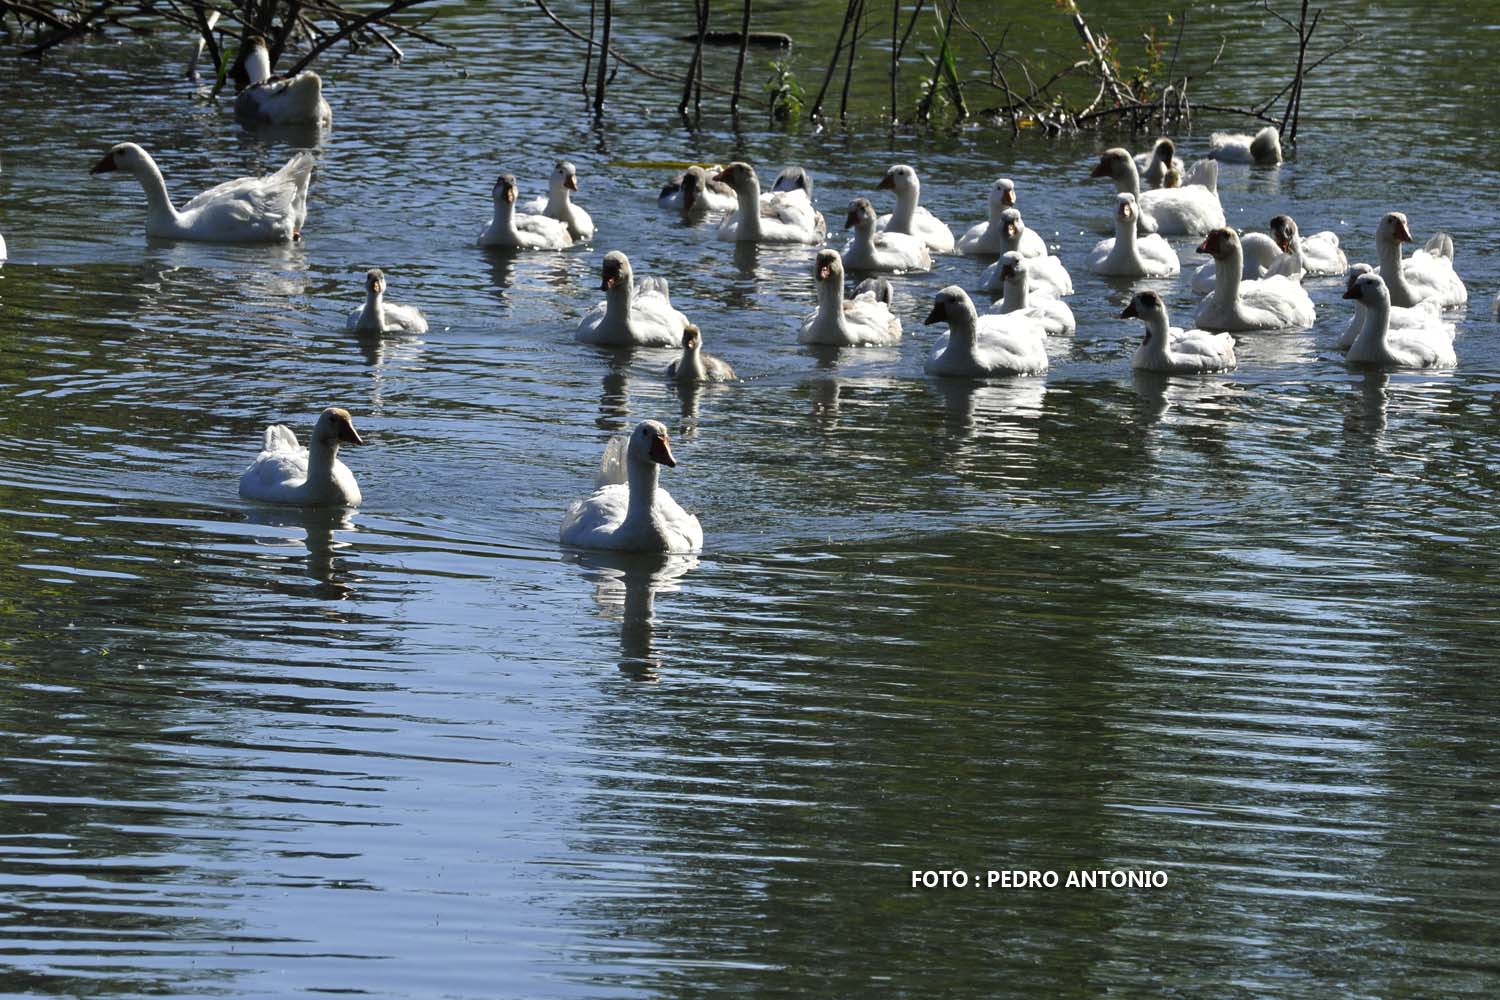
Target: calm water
(1239,629)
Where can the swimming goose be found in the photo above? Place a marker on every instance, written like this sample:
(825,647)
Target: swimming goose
(909,217)
(1319,255)
(268,209)
(695,195)
(628,511)
(868,250)
(1188,210)
(558,202)
(1053,314)
(631,315)
(1378,344)
(1172,349)
(990,237)
(286,472)
(1263,148)
(291,100)
(1156,166)
(1422,314)
(1129,255)
(379,316)
(983,346)
(1260,255)
(1426,274)
(1046,274)
(696,364)
(1275,302)
(785,216)
(519,231)
(865,320)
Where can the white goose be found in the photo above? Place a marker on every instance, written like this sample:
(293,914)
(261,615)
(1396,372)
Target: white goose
(983,346)
(868,250)
(1275,302)
(628,511)
(1378,344)
(990,238)
(520,231)
(1046,273)
(1426,274)
(1128,254)
(1263,148)
(1053,314)
(785,216)
(1260,254)
(558,202)
(1188,210)
(631,315)
(696,364)
(1172,349)
(909,217)
(1423,314)
(1161,163)
(695,195)
(291,100)
(1318,255)
(286,472)
(2,247)
(863,321)
(268,209)
(379,316)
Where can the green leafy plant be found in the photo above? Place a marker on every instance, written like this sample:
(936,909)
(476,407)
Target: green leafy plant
(786,93)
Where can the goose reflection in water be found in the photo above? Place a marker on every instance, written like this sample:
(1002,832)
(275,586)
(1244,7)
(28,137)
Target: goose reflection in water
(625,588)
(1365,409)
(318,525)
(1003,411)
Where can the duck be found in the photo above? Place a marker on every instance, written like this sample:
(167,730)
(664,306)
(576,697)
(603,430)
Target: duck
(1189,210)
(1275,302)
(1420,315)
(909,217)
(628,510)
(290,100)
(518,230)
(270,209)
(990,237)
(1426,274)
(1318,255)
(1161,163)
(1263,148)
(1261,255)
(1172,349)
(1379,345)
(285,472)
(787,216)
(558,202)
(1128,254)
(1046,273)
(1053,314)
(983,346)
(865,320)
(379,316)
(631,315)
(868,250)
(695,195)
(696,364)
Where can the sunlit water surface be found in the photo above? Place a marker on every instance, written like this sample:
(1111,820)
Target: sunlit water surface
(1239,629)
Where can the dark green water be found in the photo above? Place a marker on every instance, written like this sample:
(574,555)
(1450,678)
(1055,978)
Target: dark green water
(1236,629)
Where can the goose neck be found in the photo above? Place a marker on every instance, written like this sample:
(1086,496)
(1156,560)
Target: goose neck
(322,452)
(1228,271)
(831,302)
(1015,295)
(1389,252)
(158,202)
(1157,343)
(372,317)
(906,211)
(641,478)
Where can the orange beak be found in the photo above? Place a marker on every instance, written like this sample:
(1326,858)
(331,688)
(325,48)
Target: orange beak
(105,165)
(662,454)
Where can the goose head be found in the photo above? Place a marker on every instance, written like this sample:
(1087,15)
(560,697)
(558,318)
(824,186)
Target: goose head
(900,179)
(829,267)
(953,306)
(1126,211)
(1284,231)
(564,177)
(504,191)
(615,271)
(375,281)
(335,427)
(1013,270)
(1355,272)
(1393,229)
(692,337)
(1221,244)
(1013,227)
(1146,305)
(1266,146)
(794,179)
(648,444)
(861,217)
(125,156)
(741,177)
(1002,194)
(1368,289)
(694,180)
(1116,164)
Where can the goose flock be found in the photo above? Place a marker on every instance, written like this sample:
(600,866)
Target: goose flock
(1252,282)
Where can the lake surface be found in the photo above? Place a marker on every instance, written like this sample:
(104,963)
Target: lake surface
(1238,629)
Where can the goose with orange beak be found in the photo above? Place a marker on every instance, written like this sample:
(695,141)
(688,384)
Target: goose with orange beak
(1426,275)
(286,473)
(989,237)
(629,511)
(558,202)
(512,230)
(631,315)
(780,217)
(1171,349)
(1429,346)
(910,217)
(1275,302)
(865,320)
